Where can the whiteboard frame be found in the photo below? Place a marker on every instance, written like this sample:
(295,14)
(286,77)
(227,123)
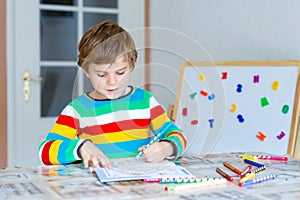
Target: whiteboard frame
(293,147)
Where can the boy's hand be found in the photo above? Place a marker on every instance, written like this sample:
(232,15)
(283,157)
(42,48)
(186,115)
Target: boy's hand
(91,155)
(157,152)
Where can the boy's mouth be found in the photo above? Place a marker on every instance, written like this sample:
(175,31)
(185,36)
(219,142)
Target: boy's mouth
(111,90)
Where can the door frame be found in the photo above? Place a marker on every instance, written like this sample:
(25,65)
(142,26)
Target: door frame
(3,88)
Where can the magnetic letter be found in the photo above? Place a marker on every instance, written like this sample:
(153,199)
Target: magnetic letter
(261,136)
(224,75)
(256,79)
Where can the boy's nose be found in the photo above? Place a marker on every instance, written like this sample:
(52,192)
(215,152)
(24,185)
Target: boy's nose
(111,80)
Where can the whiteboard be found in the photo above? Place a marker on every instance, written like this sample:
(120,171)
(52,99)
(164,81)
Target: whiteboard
(238,106)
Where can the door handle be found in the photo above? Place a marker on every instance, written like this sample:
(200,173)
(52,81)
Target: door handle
(26,84)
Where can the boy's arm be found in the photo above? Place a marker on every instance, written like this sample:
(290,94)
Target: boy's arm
(61,145)
(172,134)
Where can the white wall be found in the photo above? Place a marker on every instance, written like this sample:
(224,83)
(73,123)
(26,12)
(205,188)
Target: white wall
(227,30)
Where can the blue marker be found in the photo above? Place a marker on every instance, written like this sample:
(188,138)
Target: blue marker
(253,163)
(156,138)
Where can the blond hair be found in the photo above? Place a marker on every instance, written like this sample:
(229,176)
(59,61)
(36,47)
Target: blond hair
(103,43)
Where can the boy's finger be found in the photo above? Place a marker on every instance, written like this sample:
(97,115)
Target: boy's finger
(95,162)
(86,163)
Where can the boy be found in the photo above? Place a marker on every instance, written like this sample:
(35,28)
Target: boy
(114,119)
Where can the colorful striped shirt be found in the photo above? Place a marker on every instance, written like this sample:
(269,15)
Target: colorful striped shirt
(117,127)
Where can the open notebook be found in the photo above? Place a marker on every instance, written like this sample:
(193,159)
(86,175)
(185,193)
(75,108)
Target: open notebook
(136,169)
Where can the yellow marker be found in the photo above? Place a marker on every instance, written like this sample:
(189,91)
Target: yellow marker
(275,85)
(248,177)
(249,157)
(233,108)
(201,77)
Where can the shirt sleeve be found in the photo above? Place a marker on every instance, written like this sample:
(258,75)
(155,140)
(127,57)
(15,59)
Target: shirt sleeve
(61,144)
(160,122)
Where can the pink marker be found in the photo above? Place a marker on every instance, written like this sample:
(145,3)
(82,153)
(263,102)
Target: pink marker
(279,158)
(246,170)
(152,180)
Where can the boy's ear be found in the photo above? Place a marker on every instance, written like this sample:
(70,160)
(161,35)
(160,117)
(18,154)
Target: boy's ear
(131,68)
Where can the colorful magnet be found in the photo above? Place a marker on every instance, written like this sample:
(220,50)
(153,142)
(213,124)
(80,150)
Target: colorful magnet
(275,85)
(261,136)
(194,122)
(240,118)
(204,93)
(224,75)
(264,101)
(201,77)
(239,88)
(211,122)
(256,79)
(193,95)
(211,96)
(233,108)
(285,109)
(281,135)
(184,111)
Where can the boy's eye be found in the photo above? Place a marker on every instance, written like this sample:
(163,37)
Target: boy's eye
(100,75)
(121,72)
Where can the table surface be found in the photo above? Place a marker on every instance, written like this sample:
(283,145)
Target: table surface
(74,182)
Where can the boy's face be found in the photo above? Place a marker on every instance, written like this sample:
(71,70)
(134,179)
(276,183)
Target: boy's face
(109,80)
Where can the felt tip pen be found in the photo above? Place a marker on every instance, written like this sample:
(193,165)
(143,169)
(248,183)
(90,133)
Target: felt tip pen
(156,138)
(249,157)
(278,158)
(246,170)
(253,163)
(220,171)
(232,168)
(248,177)
(263,157)
(189,187)
(256,170)
(187,180)
(257,180)
(152,180)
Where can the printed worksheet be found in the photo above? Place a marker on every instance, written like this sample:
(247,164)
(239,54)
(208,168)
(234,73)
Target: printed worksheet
(134,169)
